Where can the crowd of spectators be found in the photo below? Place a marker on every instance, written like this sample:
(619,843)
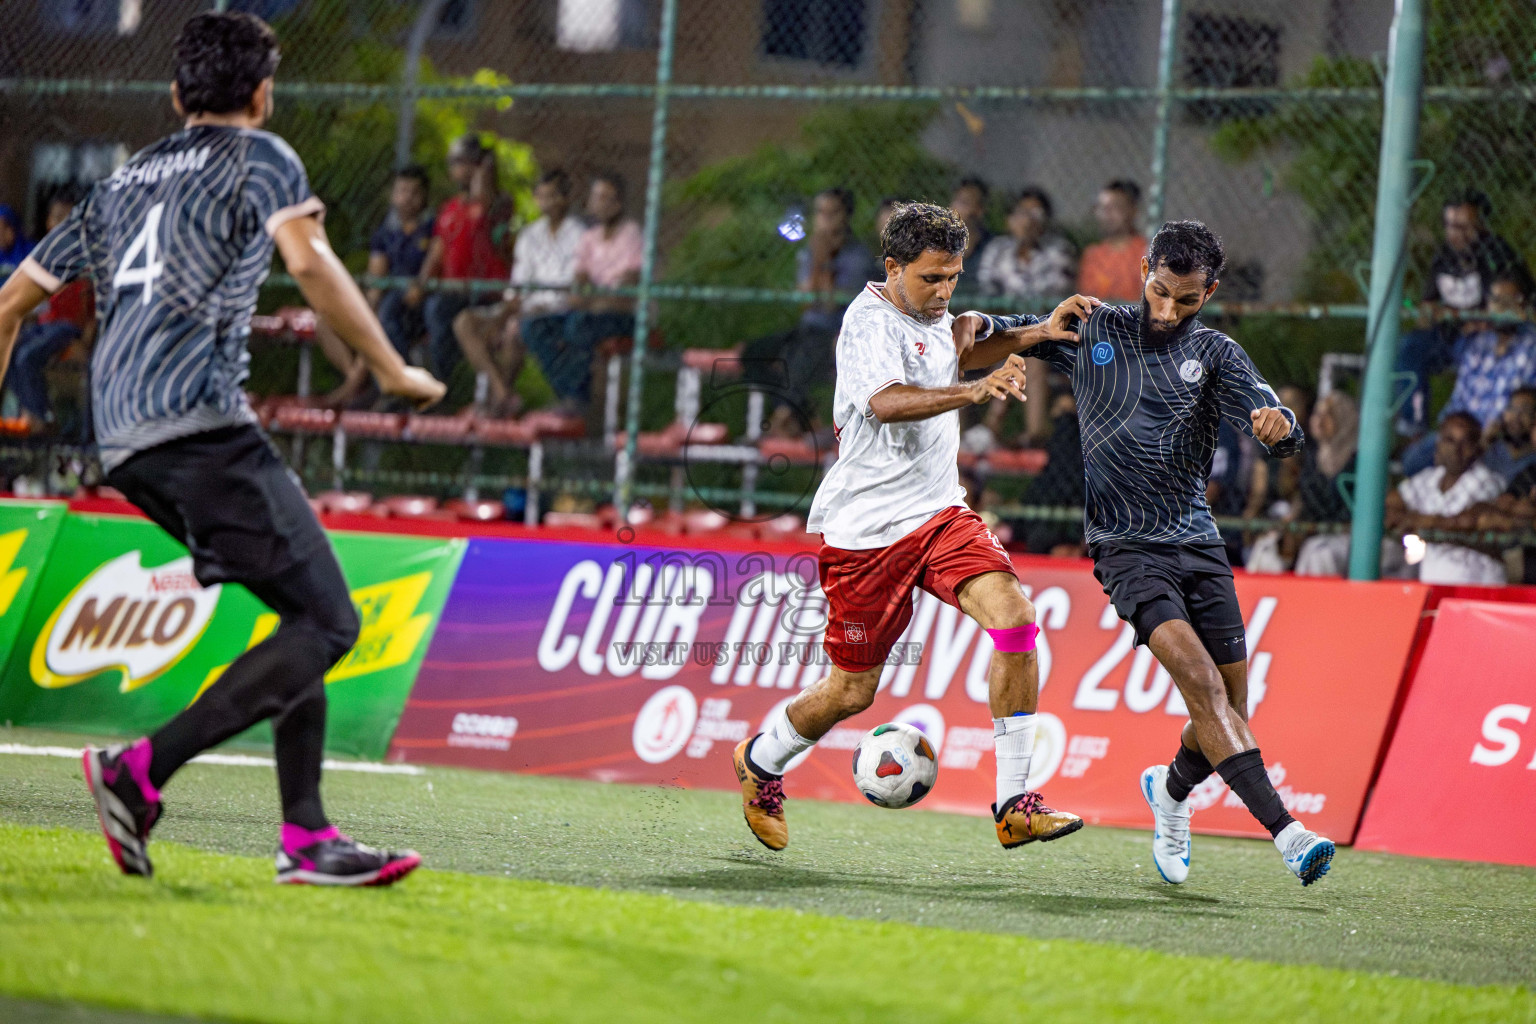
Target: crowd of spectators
(65,323)
(568,271)
(560,271)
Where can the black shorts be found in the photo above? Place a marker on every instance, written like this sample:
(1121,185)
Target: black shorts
(1151,584)
(228,496)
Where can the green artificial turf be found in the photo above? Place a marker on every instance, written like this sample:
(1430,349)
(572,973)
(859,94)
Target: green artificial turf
(214,937)
(717,925)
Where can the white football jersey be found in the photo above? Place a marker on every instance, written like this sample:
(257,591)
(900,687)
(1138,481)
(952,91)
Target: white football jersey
(889,478)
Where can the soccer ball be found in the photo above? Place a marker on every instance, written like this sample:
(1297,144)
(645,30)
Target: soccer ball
(894,765)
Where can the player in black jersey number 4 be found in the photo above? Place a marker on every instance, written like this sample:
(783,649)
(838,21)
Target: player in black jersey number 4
(1152,384)
(178,241)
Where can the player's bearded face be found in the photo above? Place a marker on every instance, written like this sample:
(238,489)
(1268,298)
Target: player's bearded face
(1170,302)
(922,288)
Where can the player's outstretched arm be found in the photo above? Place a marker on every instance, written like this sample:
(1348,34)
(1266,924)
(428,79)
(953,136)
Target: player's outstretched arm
(1001,336)
(903,403)
(19,296)
(1250,404)
(337,300)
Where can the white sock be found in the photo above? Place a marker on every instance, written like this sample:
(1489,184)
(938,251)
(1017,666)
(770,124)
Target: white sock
(778,744)
(1015,739)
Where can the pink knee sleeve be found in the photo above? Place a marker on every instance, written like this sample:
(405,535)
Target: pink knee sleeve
(1016,640)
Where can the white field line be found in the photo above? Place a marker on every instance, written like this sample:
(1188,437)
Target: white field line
(239,760)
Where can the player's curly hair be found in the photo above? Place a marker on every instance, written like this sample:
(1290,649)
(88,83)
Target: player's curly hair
(916,228)
(221,59)
(1185,246)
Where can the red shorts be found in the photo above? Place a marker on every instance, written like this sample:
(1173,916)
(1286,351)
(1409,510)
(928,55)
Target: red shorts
(869,593)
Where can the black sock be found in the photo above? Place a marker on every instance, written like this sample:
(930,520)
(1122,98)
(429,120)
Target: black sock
(1246,776)
(1187,770)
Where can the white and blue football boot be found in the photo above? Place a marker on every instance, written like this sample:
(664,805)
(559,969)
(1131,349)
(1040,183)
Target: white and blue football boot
(1306,853)
(1170,828)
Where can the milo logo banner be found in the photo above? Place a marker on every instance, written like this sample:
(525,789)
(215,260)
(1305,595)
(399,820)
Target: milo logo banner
(27,532)
(119,636)
(642,664)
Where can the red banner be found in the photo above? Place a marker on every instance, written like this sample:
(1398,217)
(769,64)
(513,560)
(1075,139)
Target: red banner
(1459,780)
(640,664)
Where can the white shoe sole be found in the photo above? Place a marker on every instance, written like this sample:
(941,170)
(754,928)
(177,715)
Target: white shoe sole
(386,875)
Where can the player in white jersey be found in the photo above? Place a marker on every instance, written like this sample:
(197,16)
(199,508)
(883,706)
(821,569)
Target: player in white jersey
(892,516)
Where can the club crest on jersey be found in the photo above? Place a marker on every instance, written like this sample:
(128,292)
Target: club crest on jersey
(853,632)
(1103,353)
(1191,370)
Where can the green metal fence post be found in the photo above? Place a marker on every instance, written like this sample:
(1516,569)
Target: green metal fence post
(405,121)
(624,465)
(1399,138)
(1167,52)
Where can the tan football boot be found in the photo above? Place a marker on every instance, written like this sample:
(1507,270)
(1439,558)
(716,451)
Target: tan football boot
(762,802)
(1026,819)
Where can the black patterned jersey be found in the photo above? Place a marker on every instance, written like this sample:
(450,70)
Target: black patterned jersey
(1149,413)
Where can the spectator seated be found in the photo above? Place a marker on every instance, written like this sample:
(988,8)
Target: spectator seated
(1494,361)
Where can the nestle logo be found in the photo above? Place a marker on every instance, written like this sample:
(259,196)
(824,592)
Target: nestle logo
(485,732)
(173,582)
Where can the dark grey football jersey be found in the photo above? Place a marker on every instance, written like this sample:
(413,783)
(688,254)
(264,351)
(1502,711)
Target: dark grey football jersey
(1149,413)
(178,241)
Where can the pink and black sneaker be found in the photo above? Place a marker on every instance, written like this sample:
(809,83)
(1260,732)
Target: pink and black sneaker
(127,803)
(327,857)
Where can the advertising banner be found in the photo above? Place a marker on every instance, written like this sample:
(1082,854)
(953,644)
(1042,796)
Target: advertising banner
(639,664)
(27,532)
(1459,780)
(119,635)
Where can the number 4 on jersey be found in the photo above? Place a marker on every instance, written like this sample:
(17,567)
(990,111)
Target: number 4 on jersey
(146,244)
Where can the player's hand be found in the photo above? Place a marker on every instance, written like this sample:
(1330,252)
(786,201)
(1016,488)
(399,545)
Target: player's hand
(1067,317)
(963,329)
(416,385)
(1270,425)
(1004,382)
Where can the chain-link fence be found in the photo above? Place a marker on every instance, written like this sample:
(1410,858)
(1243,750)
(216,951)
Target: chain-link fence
(756,142)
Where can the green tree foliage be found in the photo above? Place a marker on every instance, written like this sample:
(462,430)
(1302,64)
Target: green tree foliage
(1331,148)
(348,146)
(734,209)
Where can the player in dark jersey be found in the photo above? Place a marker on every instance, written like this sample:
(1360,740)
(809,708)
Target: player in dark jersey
(1152,384)
(177,242)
